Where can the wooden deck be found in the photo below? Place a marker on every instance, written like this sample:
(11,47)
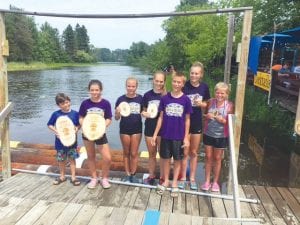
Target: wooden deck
(32,199)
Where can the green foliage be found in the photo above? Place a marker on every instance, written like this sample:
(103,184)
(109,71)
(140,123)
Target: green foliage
(82,38)
(84,57)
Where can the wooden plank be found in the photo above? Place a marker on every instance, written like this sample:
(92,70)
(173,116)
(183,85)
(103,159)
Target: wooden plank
(34,213)
(218,208)
(164,218)
(268,204)
(101,216)
(258,209)
(68,214)
(166,204)
(130,197)
(9,205)
(180,219)
(192,205)
(296,193)
(134,217)
(51,214)
(282,206)
(197,220)
(205,206)
(154,200)
(291,201)
(18,211)
(179,204)
(141,200)
(118,216)
(13,183)
(88,196)
(84,215)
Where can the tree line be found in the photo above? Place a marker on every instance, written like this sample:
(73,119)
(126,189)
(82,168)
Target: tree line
(28,42)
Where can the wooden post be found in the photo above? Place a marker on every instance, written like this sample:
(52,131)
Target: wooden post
(229,49)
(6,163)
(241,85)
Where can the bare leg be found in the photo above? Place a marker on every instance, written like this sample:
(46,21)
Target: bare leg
(90,149)
(208,162)
(62,169)
(152,156)
(106,159)
(135,141)
(177,164)
(73,169)
(194,147)
(184,162)
(166,171)
(125,139)
(217,158)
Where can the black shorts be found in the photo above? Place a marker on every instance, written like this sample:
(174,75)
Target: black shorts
(150,126)
(195,128)
(101,141)
(169,148)
(132,129)
(215,142)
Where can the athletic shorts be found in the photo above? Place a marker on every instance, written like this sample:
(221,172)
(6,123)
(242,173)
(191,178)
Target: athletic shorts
(66,154)
(195,128)
(215,142)
(171,148)
(101,141)
(150,128)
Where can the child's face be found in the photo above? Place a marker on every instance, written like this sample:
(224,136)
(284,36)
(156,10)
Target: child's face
(159,82)
(95,91)
(65,106)
(177,83)
(221,95)
(131,87)
(196,74)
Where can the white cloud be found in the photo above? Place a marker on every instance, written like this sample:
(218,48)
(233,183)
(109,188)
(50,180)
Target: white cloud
(110,33)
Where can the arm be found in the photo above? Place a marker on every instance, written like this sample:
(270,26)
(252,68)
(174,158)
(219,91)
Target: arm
(53,129)
(157,128)
(144,113)
(117,113)
(186,142)
(107,122)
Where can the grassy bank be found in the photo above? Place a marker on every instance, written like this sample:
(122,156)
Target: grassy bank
(19,66)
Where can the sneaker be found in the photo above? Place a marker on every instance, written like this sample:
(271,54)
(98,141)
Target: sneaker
(149,180)
(181,184)
(92,184)
(193,185)
(127,179)
(215,187)
(161,181)
(105,184)
(205,186)
(133,179)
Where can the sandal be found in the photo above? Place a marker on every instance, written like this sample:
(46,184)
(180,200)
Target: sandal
(75,182)
(174,192)
(58,180)
(160,189)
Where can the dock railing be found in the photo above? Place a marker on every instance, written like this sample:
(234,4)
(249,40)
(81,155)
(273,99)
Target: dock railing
(233,168)
(5,141)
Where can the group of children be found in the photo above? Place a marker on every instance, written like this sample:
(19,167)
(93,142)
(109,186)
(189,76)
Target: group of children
(175,132)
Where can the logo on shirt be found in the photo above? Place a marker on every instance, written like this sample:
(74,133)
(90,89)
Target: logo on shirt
(96,110)
(135,108)
(174,109)
(156,102)
(193,98)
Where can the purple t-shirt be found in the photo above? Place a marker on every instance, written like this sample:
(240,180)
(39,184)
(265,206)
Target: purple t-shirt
(174,113)
(194,92)
(103,107)
(133,122)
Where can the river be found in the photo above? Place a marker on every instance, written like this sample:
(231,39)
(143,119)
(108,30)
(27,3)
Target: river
(33,94)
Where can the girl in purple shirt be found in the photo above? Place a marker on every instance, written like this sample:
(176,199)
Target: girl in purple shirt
(97,104)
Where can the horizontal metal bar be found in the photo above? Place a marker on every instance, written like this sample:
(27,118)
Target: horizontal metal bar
(228,197)
(8,108)
(129,16)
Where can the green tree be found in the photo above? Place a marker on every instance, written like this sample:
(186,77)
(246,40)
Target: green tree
(82,38)
(69,42)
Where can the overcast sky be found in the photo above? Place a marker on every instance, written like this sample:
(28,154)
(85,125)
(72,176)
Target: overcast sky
(109,33)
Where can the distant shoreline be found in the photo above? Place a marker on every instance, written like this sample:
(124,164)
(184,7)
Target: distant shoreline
(21,66)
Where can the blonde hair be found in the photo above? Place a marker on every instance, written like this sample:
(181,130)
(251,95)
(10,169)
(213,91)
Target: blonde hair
(223,86)
(198,64)
(179,74)
(134,79)
(165,78)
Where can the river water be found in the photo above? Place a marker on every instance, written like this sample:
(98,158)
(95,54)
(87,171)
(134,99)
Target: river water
(33,94)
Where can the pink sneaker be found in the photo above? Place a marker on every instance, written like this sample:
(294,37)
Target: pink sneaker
(205,186)
(92,184)
(215,187)
(105,184)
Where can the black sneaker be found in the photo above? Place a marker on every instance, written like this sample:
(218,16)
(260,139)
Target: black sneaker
(149,180)
(133,179)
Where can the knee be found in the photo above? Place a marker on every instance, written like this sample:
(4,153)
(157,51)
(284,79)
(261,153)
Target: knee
(208,158)
(133,154)
(193,154)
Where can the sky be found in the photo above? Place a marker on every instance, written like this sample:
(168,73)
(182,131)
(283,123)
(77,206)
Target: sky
(103,33)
